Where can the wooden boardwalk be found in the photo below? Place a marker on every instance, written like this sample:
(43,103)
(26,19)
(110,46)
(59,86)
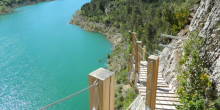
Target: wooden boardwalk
(154,92)
(165,97)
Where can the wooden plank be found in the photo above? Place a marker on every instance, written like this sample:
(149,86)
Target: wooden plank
(102,96)
(148,84)
(161,102)
(129,69)
(133,43)
(130,63)
(155,76)
(171,95)
(144,53)
(112,92)
(134,56)
(153,65)
(139,47)
(167,99)
(165,107)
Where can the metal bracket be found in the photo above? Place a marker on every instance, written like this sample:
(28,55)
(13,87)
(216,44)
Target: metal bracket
(147,108)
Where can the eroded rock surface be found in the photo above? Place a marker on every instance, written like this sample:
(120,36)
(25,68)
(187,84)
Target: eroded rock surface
(207,21)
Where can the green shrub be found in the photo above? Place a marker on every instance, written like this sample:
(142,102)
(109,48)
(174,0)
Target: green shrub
(119,89)
(129,98)
(195,88)
(141,17)
(108,56)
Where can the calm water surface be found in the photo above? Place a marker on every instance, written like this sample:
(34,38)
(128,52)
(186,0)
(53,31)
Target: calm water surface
(43,58)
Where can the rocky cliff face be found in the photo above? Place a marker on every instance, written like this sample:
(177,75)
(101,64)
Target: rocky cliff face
(206,19)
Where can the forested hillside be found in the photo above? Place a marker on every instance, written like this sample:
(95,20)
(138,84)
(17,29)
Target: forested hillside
(7,5)
(149,18)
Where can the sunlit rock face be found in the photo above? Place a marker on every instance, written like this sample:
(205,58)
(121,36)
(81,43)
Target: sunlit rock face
(206,19)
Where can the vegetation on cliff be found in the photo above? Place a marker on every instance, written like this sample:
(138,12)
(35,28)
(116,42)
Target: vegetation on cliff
(7,5)
(196,91)
(148,18)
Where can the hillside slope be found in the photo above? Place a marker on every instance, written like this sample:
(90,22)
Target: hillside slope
(6,6)
(115,18)
(207,20)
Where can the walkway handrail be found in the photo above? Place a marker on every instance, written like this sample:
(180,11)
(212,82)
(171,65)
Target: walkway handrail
(63,99)
(102,96)
(172,37)
(124,94)
(138,55)
(105,91)
(151,84)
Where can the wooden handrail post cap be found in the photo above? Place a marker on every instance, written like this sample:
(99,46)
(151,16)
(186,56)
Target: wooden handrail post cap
(134,33)
(101,96)
(139,42)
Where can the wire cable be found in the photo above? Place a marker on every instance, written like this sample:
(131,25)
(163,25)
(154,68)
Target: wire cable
(147,53)
(142,56)
(121,74)
(95,84)
(140,46)
(125,94)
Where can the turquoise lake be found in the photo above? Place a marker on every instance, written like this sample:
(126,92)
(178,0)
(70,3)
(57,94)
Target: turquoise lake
(43,58)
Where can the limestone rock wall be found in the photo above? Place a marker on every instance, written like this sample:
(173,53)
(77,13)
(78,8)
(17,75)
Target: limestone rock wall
(207,20)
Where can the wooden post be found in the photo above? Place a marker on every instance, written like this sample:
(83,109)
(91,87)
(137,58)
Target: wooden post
(136,63)
(130,68)
(102,96)
(144,53)
(151,83)
(130,63)
(139,48)
(133,43)
(134,54)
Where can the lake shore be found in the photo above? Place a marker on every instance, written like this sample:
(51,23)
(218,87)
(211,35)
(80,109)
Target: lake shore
(44,58)
(117,61)
(11,8)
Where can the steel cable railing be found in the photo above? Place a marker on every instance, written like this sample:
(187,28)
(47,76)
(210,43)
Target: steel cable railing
(63,99)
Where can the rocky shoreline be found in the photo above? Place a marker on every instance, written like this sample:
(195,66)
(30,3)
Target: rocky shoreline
(117,61)
(11,9)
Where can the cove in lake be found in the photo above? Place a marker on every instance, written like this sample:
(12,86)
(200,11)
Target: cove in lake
(43,58)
